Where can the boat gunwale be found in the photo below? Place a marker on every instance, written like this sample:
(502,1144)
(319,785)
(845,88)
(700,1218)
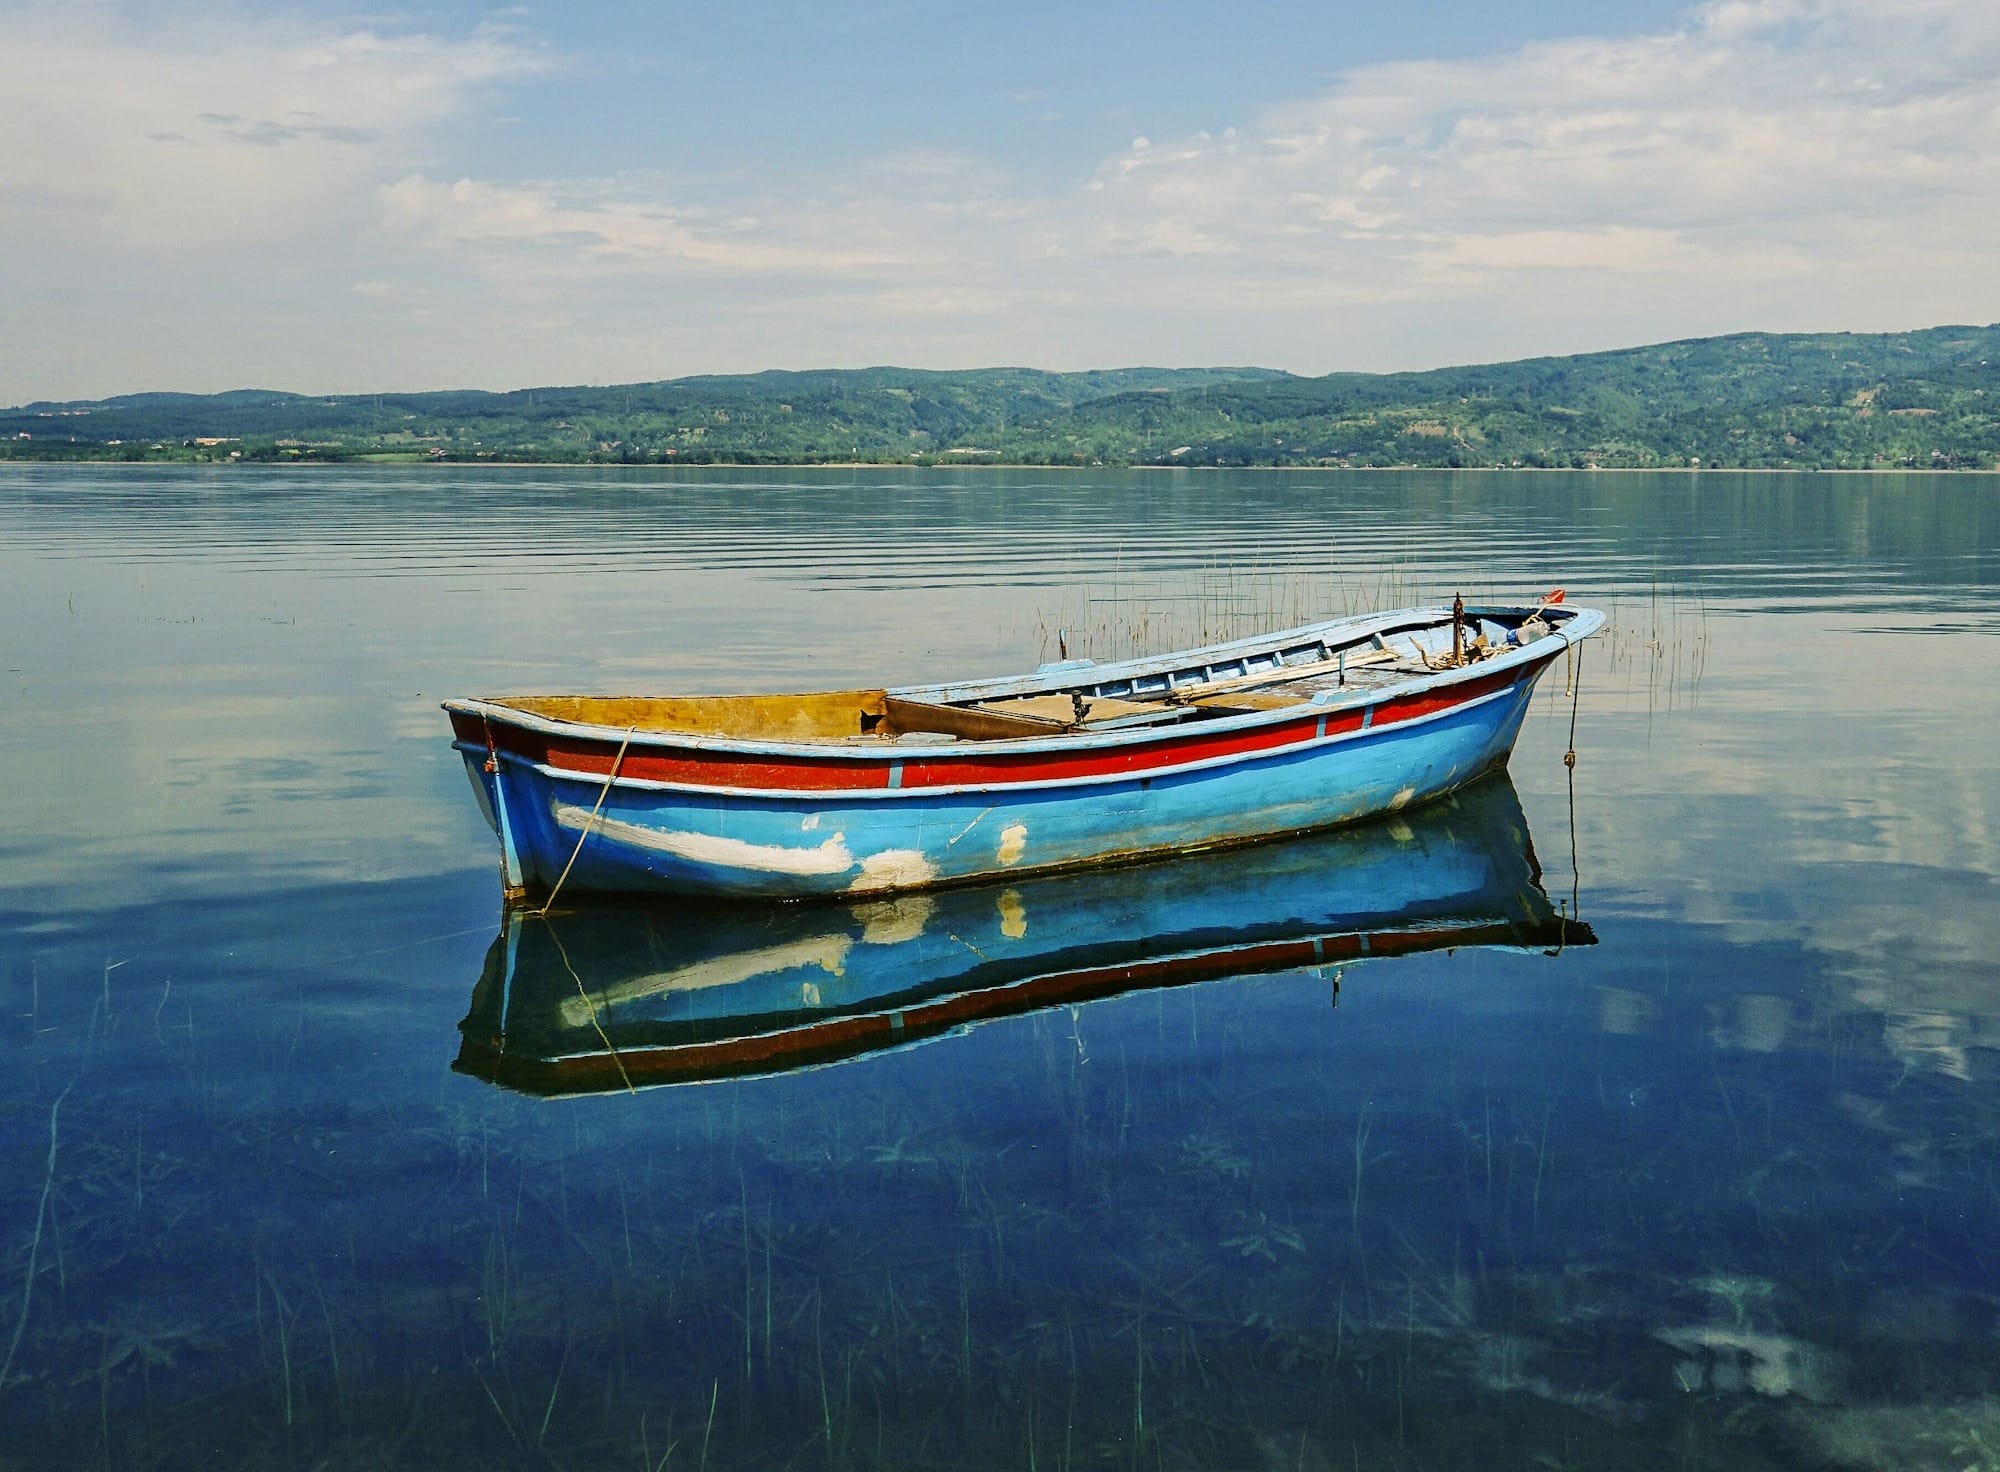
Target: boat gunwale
(1025,784)
(1570,625)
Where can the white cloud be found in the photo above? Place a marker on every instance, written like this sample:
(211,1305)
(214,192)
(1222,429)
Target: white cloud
(1797,125)
(186,199)
(217,125)
(601,226)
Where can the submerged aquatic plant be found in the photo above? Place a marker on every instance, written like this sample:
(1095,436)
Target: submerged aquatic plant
(1259,1236)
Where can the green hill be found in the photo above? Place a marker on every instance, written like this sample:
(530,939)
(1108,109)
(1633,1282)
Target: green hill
(1928,399)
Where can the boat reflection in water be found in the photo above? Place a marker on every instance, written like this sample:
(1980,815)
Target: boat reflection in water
(627,994)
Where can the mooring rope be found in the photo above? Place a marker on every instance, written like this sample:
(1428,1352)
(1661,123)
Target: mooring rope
(1575,694)
(588,1005)
(590,822)
(1574,657)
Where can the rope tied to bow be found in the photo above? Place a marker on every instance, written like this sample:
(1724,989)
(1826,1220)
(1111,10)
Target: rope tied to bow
(1575,695)
(591,822)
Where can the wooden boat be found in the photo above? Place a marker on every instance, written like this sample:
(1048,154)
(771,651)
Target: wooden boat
(628,993)
(866,791)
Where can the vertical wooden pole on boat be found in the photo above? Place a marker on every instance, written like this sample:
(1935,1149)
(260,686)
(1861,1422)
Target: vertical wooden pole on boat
(513,923)
(1457,630)
(513,883)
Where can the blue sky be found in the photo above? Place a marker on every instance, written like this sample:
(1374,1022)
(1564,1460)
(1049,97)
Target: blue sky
(203,196)
(1047,88)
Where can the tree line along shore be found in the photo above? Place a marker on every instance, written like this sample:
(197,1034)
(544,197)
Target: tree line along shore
(1926,400)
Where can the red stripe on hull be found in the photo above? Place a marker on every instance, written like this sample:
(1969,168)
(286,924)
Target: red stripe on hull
(680,764)
(715,769)
(1430,702)
(835,773)
(1136,760)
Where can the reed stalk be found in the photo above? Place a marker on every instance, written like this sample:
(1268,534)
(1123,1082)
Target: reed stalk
(1541,1160)
(333,1352)
(1138,1389)
(743,1220)
(284,1346)
(1363,1127)
(549,1411)
(35,1242)
(714,1393)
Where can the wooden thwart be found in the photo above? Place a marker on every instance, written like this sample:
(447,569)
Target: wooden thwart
(1318,669)
(1240,700)
(972,723)
(1060,710)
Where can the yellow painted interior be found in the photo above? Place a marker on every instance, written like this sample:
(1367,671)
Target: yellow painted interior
(827,714)
(847,715)
(830,715)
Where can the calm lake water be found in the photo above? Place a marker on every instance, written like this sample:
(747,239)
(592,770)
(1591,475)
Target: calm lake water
(1718,1190)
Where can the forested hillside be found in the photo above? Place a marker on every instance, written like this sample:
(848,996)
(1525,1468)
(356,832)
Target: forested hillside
(1928,399)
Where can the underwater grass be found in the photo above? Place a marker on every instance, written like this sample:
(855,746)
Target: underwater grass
(1083,1253)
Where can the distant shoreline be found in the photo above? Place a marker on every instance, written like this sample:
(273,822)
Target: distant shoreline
(989,465)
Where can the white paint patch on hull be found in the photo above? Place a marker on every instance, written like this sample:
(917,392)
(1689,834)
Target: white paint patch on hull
(891,922)
(894,868)
(1013,843)
(827,952)
(831,857)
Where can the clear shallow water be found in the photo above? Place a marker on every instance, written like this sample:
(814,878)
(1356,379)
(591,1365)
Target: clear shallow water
(1716,1191)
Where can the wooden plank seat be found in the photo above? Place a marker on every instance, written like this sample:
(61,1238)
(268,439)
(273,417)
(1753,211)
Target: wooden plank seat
(1060,709)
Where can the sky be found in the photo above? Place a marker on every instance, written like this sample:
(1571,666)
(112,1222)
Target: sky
(201,196)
